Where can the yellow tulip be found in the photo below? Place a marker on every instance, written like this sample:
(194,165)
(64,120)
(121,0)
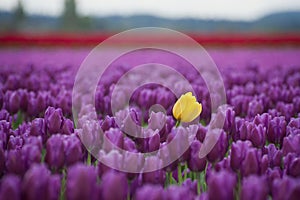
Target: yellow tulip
(186,109)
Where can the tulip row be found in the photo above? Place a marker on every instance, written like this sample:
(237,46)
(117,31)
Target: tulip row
(43,156)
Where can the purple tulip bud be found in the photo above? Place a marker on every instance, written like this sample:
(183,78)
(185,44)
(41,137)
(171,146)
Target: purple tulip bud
(277,130)
(201,133)
(254,188)
(273,174)
(73,149)
(293,125)
(150,192)
(15,162)
(195,163)
(258,136)
(15,142)
(12,82)
(178,193)
(37,128)
(10,187)
(255,107)
(238,153)
(37,184)
(54,120)
(251,163)
(5,116)
(157,176)
(224,182)
(112,179)
(32,154)
(154,142)
(192,185)
(179,138)
(263,119)
(82,183)
(229,125)
(219,150)
(91,136)
(291,145)
(68,127)
(55,156)
(274,155)
(14,102)
(107,123)
(286,188)
(292,165)
(129,145)
(34,141)
(156,120)
(114,158)
(113,139)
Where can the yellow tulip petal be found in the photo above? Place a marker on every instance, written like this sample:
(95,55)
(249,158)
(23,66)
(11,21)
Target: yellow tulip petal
(191,112)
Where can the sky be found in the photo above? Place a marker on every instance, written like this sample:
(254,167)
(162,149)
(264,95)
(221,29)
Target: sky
(212,9)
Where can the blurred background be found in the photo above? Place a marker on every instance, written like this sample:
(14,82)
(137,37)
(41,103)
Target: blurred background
(213,21)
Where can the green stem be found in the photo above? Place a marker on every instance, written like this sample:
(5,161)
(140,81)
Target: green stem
(185,171)
(179,174)
(177,123)
(63,185)
(89,159)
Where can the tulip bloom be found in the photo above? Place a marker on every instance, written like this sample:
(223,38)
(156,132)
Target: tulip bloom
(186,109)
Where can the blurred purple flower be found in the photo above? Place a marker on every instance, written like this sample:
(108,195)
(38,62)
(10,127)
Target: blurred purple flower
(55,156)
(150,192)
(221,185)
(38,183)
(254,188)
(10,187)
(286,188)
(82,183)
(54,120)
(118,181)
(195,163)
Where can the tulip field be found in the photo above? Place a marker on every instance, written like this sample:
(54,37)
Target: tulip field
(48,153)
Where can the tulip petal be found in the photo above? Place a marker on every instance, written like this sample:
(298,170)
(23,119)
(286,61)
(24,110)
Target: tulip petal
(192,111)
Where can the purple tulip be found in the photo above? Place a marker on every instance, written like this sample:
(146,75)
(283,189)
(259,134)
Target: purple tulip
(292,164)
(255,107)
(15,162)
(291,145)
(286,188)
(192,185)
(112,179)
(113,139)
(251,163)
(107,123)
(201,133)
(157,176)
(150,192)
(258,136)
(238,153)
(154,142)
(68,127)
(195,163)
(224,183)
(37,128)
(1,98)
(82,183)
(156,120)
(14,102)
(254,188)
(72,149)
(2,159)
(293,125)
(55,156)
(36,184)
(15,142)
(178,193)
(219,150)
(129,145)
(10,187)
(274,155)
(277,130)
(109,161)
(54,120)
